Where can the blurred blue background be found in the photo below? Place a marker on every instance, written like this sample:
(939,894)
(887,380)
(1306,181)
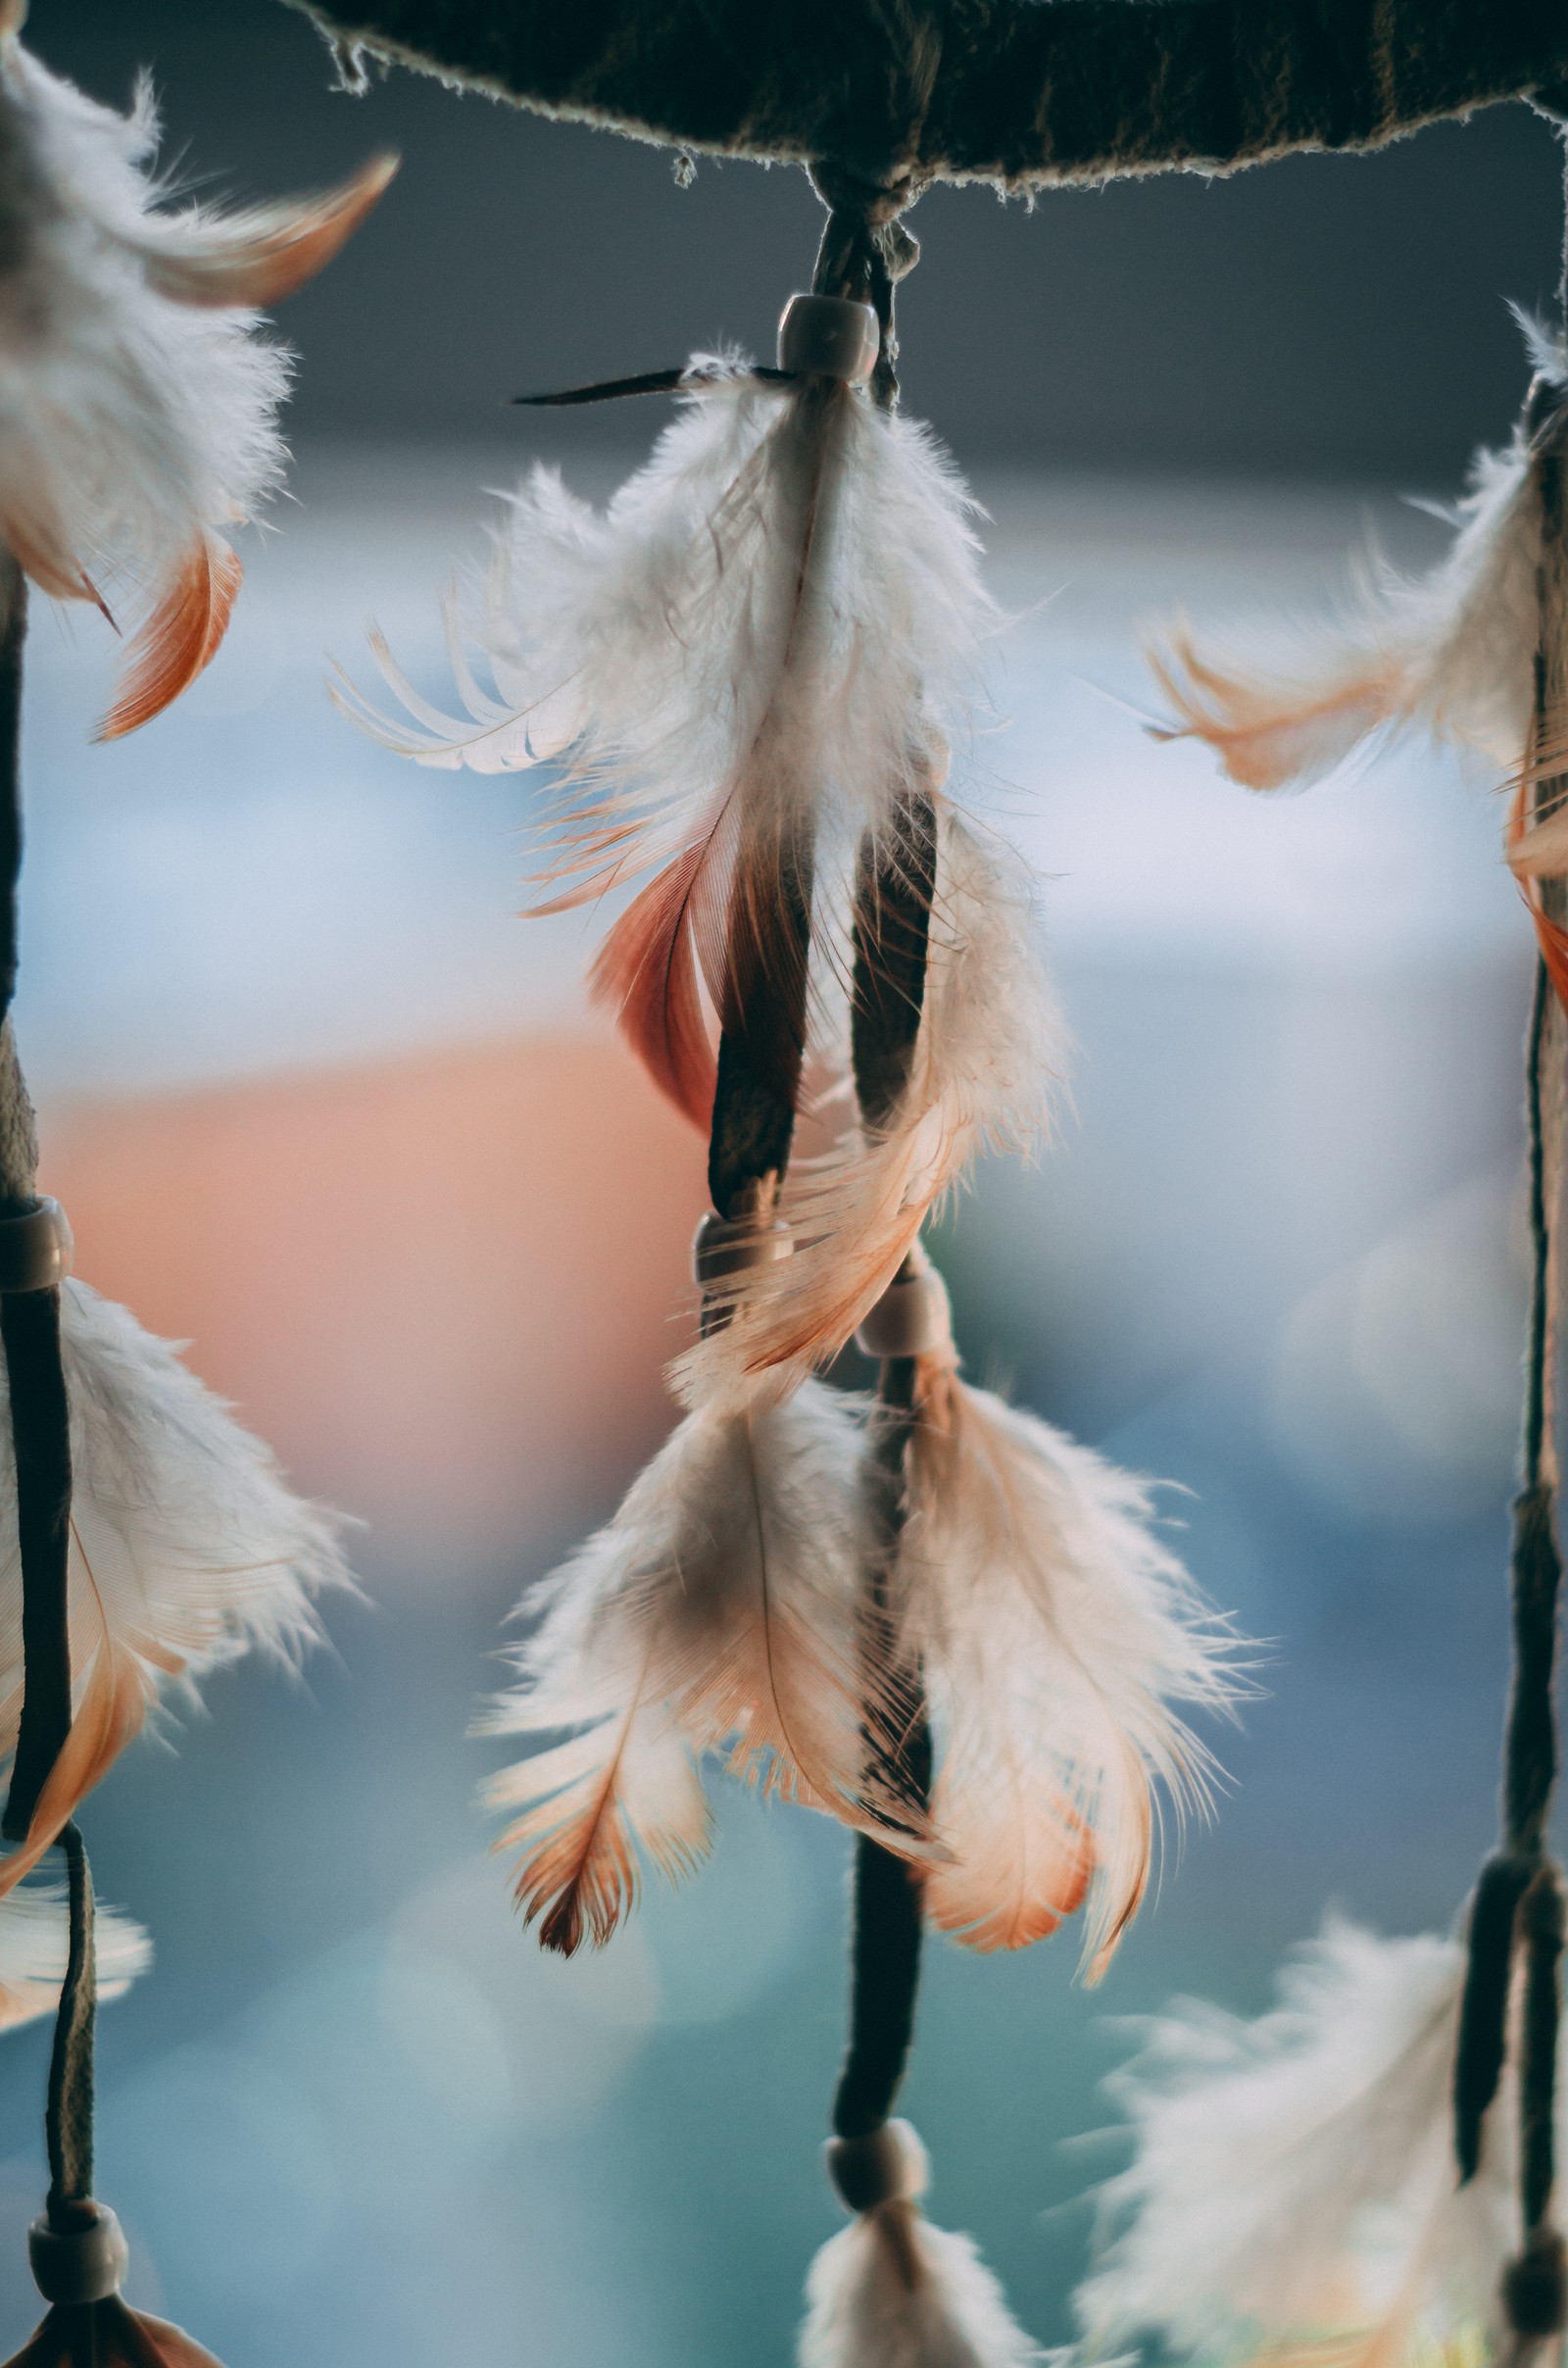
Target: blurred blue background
(319,1103)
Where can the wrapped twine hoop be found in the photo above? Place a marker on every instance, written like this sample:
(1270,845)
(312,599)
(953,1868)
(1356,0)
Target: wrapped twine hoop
(1019,93)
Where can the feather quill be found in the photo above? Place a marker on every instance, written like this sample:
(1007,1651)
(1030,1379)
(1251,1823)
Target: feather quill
(716,1612)
(892,2291)
(748,651)
(35,1942)
(1055,1634)
(987,1058)
(138,405)
(187,1550)
(1294,2181)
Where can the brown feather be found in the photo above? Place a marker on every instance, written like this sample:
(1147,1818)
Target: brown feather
(646,971)
(260,255)
(180,637)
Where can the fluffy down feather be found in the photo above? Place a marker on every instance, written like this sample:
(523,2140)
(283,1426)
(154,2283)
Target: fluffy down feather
(892,2291)
(1294,2181)
(987,1058)
(137,407)
(34,1940)
(716,1612)
(750,650)
(1452,654)
(1055,1634)
(186,1549)
(906,2296)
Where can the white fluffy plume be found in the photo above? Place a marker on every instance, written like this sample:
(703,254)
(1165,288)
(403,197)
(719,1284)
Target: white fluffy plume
(716,1612)
(1294,2181)
(186,1549)
(35,1942)
(989,1055)
(753,649)
(137,407)
(892,2291)
(1452,653)
(1059,1640)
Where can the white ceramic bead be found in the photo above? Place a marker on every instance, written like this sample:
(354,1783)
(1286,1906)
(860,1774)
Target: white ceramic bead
(830,338)
(35,1249)
(726,1246)
(911,1319)
(888,2163)
(83,2264)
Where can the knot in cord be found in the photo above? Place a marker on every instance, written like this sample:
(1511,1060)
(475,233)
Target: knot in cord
(865,251)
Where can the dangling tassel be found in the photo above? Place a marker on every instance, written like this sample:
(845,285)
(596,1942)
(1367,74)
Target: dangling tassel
(77,2251)
(716,1613)
(892,2291)
(1374,2166)
(137,407)
(748,671)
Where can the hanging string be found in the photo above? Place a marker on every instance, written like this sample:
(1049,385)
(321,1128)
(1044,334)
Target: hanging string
(1517,1920)
(69,2119)
(29,1319)
(865,251)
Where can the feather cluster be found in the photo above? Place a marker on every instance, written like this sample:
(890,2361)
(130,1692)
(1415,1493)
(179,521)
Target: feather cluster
(35,1943)
(744,670)
(987,1059)
(138,405)
(1057,1636)
(892,2291)
(1294,2181)
(1454,655)
(716,1612)
(187,1549)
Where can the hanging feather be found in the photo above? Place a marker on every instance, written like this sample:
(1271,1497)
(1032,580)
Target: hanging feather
(33,1942)
(1452,654)
(892,2291)
(716,1612)
(748,653)
(988,1055)
(110,2335)
(1055,1634)
(1295,2181)
(137,407)
(187,1550)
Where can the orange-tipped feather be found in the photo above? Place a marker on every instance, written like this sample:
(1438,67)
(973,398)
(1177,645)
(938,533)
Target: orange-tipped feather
(1056,1638)
(257,255)
(646,971)
(180,637)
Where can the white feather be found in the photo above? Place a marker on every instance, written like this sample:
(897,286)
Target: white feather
(1058,1638)
(716,1612)
(135,418)
(1294,2179)
(762,637)
(892,2291)
(186,1549)
(35,1942)
(987,1058)
(1452,654)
